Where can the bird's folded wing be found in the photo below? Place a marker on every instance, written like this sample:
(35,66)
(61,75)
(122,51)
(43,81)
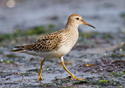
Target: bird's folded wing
(46,43)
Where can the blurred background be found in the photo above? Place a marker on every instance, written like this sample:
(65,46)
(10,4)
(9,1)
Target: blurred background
(105,15)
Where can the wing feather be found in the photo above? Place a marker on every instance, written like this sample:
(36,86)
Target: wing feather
(46,43)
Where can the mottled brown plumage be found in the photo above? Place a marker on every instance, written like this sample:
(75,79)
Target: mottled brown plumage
(57,44)
(46,43)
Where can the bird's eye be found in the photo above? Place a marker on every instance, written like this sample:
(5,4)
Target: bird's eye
(77,18)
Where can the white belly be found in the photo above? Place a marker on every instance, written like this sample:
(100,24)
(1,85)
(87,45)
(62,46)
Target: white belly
(56,53)
(63,50)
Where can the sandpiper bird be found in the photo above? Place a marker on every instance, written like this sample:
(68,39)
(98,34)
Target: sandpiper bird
(57,44)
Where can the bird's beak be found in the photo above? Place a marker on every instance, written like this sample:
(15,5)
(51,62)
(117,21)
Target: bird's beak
(85,23)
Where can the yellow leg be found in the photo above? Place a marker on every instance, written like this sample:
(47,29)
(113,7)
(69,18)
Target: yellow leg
(73,77)
(40,77)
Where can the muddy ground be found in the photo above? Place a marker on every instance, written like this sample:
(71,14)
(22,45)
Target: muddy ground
(97,57)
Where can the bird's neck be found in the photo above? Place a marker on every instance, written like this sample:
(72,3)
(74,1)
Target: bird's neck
(71,27)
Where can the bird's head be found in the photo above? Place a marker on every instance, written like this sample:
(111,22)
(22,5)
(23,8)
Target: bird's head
(77,20)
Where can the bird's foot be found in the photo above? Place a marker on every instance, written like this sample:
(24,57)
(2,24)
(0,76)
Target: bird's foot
(40,78)
(75,78)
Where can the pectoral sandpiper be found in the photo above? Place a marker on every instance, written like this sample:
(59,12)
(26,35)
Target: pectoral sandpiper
(57,44)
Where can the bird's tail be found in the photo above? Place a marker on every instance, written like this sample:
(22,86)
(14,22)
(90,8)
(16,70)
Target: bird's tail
(18,49)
